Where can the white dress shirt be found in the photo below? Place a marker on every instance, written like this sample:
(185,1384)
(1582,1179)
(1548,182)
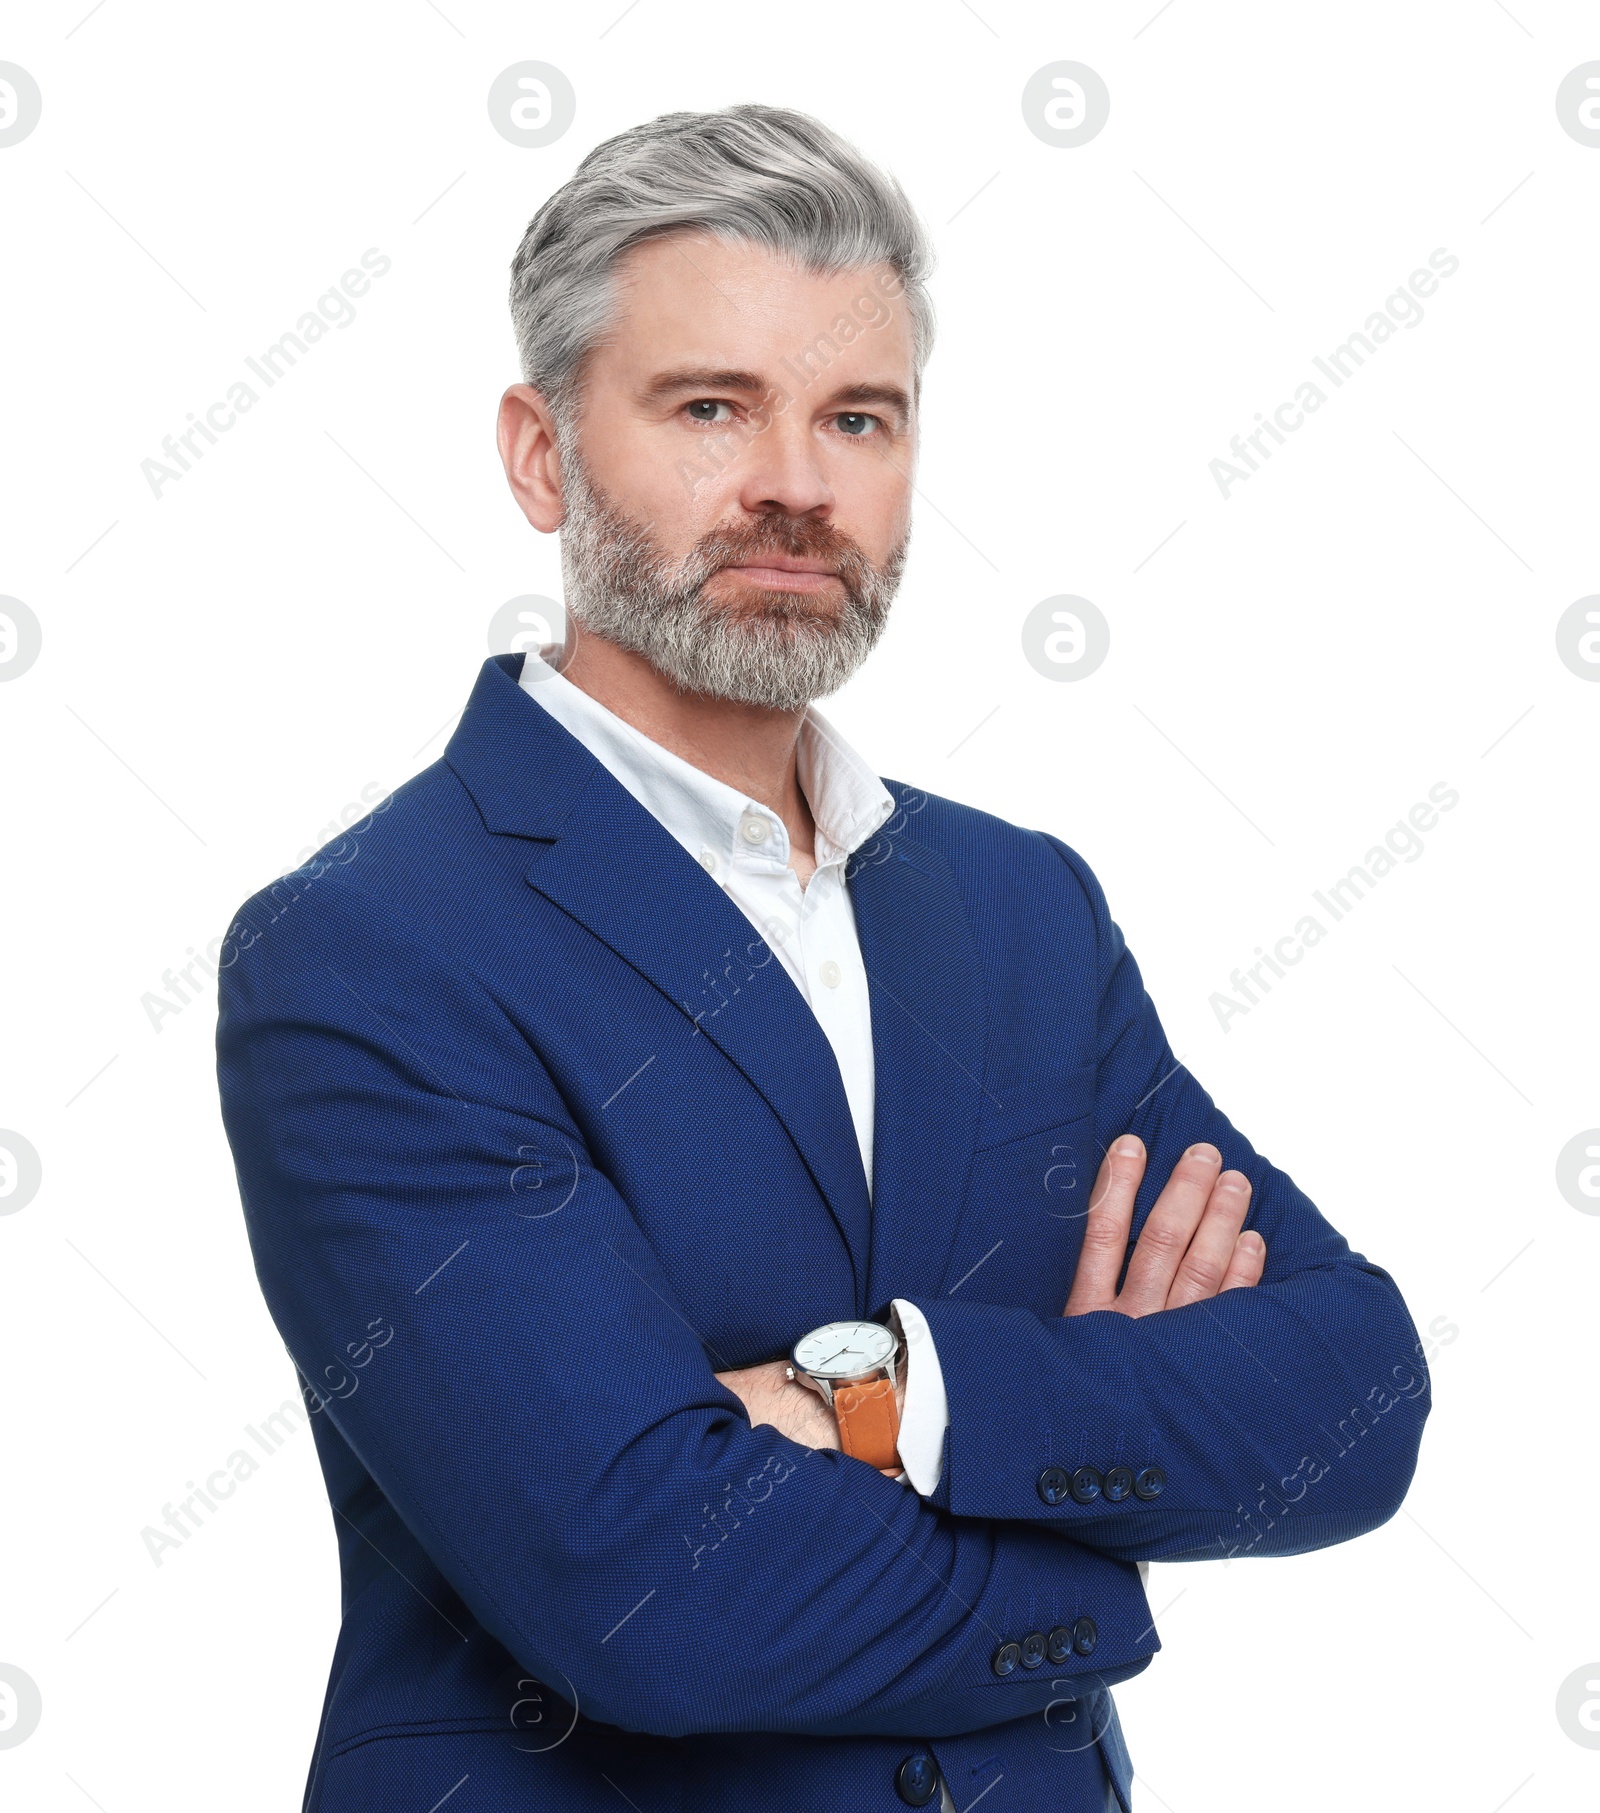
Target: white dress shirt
(744,846)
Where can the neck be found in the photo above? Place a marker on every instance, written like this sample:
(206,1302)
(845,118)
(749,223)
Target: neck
(750,748)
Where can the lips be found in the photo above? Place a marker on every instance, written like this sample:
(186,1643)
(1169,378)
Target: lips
(784,564)
(780,573)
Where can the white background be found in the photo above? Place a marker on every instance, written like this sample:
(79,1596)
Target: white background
(301,616)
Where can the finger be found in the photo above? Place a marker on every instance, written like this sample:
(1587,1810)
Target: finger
(1165,1236)
(1105,1227)
(1249,1261)
(1201,1270)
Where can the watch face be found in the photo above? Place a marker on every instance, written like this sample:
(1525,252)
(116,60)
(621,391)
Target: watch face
(844,1350)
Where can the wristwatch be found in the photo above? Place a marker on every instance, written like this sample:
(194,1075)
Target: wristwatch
(851,1367)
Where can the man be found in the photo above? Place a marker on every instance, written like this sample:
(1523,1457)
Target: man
(696,1179)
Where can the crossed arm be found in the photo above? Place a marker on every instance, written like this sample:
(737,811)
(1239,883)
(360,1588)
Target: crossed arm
(1189,1249)
(1273,1377)
(372,1090)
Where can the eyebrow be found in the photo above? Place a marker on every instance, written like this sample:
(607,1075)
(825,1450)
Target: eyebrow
(890,395)
(699,378)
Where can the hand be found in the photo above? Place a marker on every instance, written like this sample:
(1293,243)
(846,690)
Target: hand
(1190,1247)
(793,1409)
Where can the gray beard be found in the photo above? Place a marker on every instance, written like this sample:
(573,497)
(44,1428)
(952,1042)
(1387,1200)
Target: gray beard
(785,652)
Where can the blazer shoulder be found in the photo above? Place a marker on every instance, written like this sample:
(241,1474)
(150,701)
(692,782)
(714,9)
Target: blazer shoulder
(367,883)
(971,839)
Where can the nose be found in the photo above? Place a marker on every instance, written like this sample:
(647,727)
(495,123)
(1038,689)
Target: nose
(782,473)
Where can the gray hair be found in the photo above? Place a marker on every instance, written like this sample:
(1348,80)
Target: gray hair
(763,175)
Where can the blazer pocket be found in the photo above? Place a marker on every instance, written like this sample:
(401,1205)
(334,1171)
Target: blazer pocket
(1018,1109)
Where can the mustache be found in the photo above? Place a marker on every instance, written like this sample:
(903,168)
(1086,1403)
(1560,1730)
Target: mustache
(812,540)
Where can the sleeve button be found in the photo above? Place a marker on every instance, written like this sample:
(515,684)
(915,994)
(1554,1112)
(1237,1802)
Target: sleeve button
(1150,1482)
(1006,1658)
(1059,1643)
(1084,1636)
(1086,1485)
(1033,1649)
(1118,1484)
(1053,1485)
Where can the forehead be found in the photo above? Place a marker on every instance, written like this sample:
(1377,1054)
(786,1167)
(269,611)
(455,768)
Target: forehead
(690,298)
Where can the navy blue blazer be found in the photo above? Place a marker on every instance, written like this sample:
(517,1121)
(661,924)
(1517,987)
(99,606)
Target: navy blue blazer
(534,1136)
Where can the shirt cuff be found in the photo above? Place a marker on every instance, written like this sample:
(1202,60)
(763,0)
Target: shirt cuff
(926,1414)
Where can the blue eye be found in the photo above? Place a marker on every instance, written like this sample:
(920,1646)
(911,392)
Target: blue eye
(709,403)
(856,425)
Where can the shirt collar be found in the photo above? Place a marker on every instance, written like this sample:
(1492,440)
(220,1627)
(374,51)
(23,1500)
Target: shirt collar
(709,818)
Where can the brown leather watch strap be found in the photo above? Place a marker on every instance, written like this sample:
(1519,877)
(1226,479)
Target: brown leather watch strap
(869,1422)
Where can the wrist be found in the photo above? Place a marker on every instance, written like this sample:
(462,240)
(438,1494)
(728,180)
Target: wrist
(852,1367)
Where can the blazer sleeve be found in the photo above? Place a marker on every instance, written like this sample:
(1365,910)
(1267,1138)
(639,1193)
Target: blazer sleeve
(542,1416)
(1265,1421)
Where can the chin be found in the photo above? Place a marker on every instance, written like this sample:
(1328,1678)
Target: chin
(773,605)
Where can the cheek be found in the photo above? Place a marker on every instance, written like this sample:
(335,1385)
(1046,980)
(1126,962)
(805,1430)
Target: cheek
(678,487)
(873,503)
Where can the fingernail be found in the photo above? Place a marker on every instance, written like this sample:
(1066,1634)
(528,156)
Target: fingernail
(1204,1151)
(1129,1147)
(1257,1244)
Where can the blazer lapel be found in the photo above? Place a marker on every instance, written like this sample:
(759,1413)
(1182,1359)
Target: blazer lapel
(612,866)
(928,1042)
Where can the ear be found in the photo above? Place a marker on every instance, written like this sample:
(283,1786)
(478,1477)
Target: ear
(526,437)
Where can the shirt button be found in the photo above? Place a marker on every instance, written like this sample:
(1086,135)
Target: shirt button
(755,830)
(708,862)
(831,973)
